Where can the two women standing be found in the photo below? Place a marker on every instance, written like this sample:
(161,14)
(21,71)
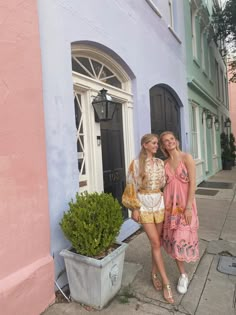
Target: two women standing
(146,177)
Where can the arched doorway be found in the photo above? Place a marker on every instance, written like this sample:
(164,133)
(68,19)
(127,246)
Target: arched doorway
(165,111)
(104,149)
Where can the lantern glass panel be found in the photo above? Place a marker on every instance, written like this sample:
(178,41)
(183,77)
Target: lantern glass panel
(100,108)
(228,123)
(209,121)
(111,109)
(217,124)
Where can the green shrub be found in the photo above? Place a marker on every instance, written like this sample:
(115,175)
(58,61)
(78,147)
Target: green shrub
(225,147)
(92,223)
(232,146)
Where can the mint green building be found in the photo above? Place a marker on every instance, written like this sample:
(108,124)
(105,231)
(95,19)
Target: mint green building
(207,88)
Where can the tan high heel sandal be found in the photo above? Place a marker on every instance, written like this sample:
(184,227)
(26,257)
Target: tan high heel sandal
(169,297)
(156,282)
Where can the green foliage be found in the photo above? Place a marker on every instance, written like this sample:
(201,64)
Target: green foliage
(232,70)
(224,23)
(225,147)
(92,223)
(232,146)
(125,294)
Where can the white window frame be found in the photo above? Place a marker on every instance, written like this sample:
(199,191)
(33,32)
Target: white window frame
(91,71)
(221,85)
(83,178)
(154,7)
(217,79)
(195,134)
(209,63)
(203,57)
(194,37)
(171,14)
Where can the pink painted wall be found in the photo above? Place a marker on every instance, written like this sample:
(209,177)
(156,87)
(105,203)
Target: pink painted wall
(26,268)
(232,106)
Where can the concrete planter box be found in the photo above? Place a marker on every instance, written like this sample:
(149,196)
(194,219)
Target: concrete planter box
(94,282)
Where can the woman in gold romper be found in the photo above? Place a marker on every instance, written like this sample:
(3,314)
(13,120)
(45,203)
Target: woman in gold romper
(143,196)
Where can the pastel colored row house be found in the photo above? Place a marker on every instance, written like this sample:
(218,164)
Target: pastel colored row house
(56,57)
(207,88)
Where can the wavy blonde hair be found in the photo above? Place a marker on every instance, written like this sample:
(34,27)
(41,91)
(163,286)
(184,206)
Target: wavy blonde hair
(143,154)
(165,152)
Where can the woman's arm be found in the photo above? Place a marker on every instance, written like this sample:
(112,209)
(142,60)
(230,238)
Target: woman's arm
(190,165)
(162,174)
(129,197)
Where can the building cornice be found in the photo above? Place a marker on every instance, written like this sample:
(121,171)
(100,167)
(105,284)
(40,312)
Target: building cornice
(194,84)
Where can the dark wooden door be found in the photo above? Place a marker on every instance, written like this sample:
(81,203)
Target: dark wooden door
(165,113)
(113,156)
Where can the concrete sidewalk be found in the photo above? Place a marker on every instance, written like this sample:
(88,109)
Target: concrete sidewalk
(210,292)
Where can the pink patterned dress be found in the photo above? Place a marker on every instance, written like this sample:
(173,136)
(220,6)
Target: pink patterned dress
(179,239)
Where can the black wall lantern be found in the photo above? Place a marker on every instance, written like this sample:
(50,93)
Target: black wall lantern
(209,121)
(228,122)
(208,118)
(217,124)
(104,106)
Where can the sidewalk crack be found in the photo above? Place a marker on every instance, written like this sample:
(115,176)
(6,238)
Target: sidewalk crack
(204,286)
(232,200)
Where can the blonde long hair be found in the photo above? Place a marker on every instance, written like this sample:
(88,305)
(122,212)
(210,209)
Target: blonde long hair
(165,152)
(143,154)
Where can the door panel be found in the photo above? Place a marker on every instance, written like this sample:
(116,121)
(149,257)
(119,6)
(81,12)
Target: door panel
(113,156)
(165,113)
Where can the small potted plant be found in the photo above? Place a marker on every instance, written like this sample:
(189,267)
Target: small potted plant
(232,148)
(94,263)
(225,152)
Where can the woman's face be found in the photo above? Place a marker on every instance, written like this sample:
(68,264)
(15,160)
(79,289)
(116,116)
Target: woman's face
(169,142)
(151,146)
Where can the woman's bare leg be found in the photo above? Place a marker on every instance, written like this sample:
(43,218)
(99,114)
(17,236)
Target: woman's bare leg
(154,238)
(152,233)
(180,265)
(154,265)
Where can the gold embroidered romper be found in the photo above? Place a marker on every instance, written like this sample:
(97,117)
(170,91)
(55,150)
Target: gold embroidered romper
(147,198)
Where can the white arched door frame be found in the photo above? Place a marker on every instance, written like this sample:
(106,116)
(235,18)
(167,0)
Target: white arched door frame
(88,88)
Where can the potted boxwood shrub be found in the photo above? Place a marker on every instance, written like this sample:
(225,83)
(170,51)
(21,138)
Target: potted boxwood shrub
(94,263)
(225,152)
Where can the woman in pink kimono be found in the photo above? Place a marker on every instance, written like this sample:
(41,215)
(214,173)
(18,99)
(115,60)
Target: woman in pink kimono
(144,198)
(180,239)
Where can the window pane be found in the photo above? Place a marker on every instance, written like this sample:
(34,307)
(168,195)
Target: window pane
(194,145)
(97,67)
(194,128)
(114,81)
(105,73)
(80,134)
(85,62)
(194,124)
(77,67)
(77,112)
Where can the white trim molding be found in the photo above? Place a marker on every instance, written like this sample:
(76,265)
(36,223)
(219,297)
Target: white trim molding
(174,34)
(154,7)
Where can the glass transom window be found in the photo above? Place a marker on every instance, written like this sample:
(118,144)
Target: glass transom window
(96,70)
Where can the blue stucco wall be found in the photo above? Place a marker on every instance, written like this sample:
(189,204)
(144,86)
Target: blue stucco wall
(141,39)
